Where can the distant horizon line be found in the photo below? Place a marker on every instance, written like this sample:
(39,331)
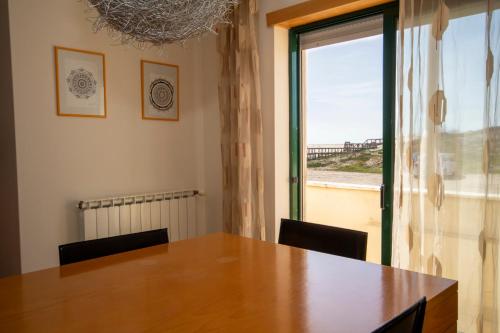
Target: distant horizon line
(474,131)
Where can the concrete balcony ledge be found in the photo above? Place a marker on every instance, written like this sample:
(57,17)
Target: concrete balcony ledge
(344,186)
(362,187)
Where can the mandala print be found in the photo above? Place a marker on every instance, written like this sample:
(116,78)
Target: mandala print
(161,94)
(81,83)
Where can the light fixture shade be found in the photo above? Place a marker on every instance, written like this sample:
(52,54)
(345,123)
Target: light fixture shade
(158,22)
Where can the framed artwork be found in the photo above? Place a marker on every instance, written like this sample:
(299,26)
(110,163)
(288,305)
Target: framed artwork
(80,83)
(160,91)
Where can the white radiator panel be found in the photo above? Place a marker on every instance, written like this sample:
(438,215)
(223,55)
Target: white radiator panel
(174,220)
(183,219)
(165,214)
(102,223)
(114,221)
(90,223)
(135,218)
(155,214)
(191,221)
(145,216)
(125,220)
(175,211)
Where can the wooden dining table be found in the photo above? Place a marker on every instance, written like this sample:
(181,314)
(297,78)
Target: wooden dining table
(221,283)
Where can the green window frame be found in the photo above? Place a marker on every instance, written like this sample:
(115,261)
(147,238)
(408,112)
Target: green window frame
(389,12)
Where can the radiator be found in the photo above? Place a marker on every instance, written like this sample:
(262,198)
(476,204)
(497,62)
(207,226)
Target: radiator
(135,213)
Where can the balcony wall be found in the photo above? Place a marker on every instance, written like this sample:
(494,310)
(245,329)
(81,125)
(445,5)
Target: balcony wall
(460,221)
(347,206)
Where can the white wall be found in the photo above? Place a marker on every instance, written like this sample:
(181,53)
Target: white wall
(61,160)
(273,51)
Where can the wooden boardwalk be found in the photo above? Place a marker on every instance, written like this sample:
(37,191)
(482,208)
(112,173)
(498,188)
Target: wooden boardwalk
(349,147)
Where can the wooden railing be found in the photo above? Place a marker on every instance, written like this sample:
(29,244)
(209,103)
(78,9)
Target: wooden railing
(349,147)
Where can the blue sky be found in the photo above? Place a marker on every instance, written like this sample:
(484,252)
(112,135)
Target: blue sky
(344,91)
(344,83)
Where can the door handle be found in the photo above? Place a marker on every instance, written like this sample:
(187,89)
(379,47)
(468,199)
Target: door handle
(382,196)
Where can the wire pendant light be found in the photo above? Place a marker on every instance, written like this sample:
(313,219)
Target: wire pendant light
(159,22)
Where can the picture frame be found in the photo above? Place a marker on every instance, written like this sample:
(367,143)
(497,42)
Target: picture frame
(159,91)
(80,83)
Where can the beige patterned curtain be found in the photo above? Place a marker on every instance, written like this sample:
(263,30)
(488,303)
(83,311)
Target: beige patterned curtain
(447,168)
(241,124)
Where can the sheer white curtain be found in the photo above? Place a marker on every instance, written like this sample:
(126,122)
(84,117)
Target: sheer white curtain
(447,168)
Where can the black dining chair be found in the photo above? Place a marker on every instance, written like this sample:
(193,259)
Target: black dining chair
(90,249)
(410,321)
(323,238)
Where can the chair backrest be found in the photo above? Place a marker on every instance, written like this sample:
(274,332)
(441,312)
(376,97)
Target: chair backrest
(410,321)
(79,251)
(323,238)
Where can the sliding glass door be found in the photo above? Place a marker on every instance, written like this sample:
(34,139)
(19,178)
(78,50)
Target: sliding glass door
(342,101)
